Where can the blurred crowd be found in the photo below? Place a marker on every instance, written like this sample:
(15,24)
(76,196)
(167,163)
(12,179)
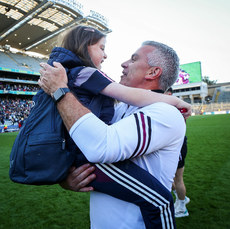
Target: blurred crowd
(19,87)
(14,110)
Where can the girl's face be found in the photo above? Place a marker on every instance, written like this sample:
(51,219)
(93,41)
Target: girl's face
(97,52)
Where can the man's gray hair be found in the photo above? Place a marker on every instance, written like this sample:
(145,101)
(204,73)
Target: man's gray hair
(166,58)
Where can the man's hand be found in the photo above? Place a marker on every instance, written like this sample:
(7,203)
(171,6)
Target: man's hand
(52,78)
(78,178)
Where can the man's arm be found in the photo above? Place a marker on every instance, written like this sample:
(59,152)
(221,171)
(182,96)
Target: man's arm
(71,110)
(69,107)
(136,135)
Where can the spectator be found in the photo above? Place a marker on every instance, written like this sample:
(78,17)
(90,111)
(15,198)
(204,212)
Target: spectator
(5,128)
(178,186)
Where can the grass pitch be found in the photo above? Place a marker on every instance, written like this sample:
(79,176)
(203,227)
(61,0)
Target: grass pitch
(207,179)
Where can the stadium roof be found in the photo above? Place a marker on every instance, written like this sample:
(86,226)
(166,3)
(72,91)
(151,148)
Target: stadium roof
(33,25)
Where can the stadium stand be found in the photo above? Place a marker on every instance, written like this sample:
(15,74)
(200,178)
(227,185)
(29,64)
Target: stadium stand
(221,94)
(19,61)
(25,62)
(6,61)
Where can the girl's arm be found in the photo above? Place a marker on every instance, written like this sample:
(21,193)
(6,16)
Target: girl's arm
(142,97)
(133,96)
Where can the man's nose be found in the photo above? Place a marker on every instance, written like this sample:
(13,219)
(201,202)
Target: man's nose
(124,64)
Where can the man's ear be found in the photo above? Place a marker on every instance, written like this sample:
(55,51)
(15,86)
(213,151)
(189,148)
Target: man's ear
(153,73)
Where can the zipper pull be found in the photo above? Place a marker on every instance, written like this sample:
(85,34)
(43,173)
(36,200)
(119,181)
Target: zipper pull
(63,144)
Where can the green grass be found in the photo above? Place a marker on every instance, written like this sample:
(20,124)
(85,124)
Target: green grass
(207,173)
(37,207)
(207,179)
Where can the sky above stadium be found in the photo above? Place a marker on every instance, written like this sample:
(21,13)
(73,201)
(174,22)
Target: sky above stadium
(198,30)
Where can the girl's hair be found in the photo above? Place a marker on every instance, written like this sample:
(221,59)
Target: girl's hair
(78,39)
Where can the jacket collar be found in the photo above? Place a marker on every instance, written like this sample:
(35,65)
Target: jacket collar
(158,91)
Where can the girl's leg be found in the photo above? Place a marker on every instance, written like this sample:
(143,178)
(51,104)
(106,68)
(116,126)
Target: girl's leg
(127,181)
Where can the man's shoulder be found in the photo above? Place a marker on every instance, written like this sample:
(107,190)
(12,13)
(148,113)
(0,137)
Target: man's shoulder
(160,111)
(163,111)
(159,107)
(155,108)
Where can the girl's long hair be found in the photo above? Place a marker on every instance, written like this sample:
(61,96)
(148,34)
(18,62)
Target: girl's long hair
(78,39)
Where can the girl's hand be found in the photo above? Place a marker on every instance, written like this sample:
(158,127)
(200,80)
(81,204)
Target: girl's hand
(184,108)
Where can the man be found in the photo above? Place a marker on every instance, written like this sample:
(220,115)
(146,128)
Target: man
(178,187)
(153,134)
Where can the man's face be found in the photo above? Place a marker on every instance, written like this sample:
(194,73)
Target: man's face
(135,69)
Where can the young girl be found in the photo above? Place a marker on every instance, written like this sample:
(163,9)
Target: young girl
(81,54)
